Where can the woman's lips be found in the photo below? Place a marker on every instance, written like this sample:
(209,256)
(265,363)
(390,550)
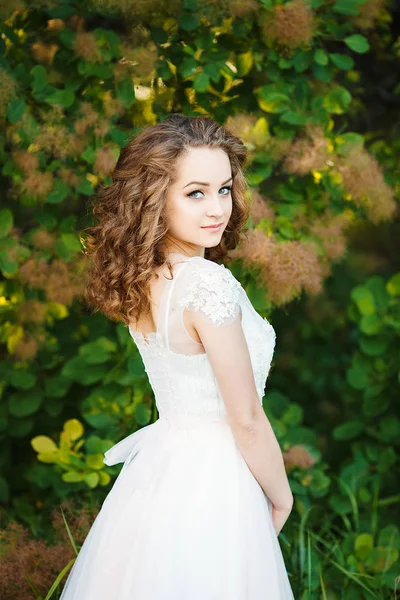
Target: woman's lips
(213,227)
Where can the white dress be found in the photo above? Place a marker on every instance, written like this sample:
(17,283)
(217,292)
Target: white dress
(186,519)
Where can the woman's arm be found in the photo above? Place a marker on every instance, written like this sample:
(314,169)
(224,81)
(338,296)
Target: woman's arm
(229,357)
(260,449)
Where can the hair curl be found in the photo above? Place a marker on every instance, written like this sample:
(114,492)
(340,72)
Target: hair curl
(127,244)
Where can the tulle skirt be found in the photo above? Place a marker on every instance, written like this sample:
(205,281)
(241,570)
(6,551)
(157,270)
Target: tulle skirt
(185,520)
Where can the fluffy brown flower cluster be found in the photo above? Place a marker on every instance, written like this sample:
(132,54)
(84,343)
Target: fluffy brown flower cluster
(60,281)
(298,456)
(85,47)
(260,208)
(36,183)
(44,53)
(368,13)
(8,90)
(26,348)
(43,239)
(151,10)
(32,311)
(289,25)
(91,119)
(286,268)
(307,153)
(23,555)
(363,179)
(330,231)
(220,9)
(141,60)
(55,137)
(105,161)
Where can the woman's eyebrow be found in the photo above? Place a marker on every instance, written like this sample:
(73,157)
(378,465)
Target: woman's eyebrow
(202,183)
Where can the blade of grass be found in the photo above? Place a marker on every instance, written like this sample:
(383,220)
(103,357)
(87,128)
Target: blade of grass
(353,501)
(58,579)
(71,539)
(301,539)
(321,579)
(309,561)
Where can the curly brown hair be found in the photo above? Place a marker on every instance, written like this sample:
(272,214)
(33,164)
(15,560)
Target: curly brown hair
(127,244)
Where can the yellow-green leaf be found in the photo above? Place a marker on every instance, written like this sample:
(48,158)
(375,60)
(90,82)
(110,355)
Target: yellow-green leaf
(92,479)
(73,429)
(95,461)
(43,444)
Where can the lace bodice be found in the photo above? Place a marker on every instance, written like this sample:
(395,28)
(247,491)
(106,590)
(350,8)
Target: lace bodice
(178,368)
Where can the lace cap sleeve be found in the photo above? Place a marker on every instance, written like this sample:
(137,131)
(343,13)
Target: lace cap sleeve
(213,291)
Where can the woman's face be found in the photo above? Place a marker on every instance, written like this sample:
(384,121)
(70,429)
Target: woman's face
(200,196)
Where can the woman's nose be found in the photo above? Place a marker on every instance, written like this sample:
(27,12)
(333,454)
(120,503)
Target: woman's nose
(216,208)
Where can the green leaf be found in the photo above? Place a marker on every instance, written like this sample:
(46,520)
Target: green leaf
(84,187)
(377,286)
(95,461)
(364,299)
(8,264)
(6,222)
(342,61)
(271,100)
(119,136)
(71,242)
(337,100)
(358,43)
(187,67)
(39,77)
(22,379)
(347,7)
(76,369)
(363,545)
(92,479)
(72,477)
(201,82)
(23,404)
(393,285)
(67,37)
(357,376)
(389,536)
(142,414)
(321,57)
(244,62)
(60,192)
(348,431)
(289,194)
(97,352)
(189,22)
(294,118)
(213,70)
(284,63)
(126,93)
(293,416)
(64,98)
(373,346)
(370,324)
(89,155)
(301,61)
(323,73)
(15,110)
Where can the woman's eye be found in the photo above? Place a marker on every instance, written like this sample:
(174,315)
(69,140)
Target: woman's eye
(226,187)
(195,192)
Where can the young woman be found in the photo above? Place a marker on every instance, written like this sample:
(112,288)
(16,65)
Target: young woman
(196,509)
